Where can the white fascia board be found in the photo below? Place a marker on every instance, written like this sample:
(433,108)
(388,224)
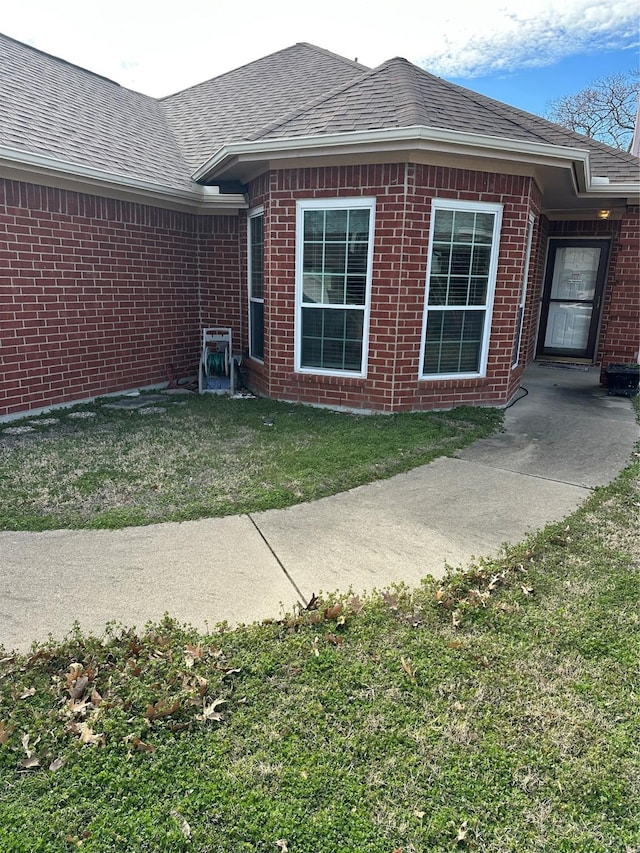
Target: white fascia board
(36,168)
(395,138)
(627,189)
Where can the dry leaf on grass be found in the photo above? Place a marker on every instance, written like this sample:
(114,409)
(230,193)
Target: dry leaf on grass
(5,732)
(28,691)
(409,668)
(141,746)
(184,826)
(209,713)
(162,708)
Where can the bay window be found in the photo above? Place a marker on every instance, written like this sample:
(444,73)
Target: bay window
(256,284)
(461,275)
(334,248)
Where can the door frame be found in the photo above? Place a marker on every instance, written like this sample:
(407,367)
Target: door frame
(554,244)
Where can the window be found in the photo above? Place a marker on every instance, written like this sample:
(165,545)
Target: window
(333,281)
(460,286)
(256,284)
(523,295)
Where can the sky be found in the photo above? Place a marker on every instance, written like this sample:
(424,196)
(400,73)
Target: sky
(522,52)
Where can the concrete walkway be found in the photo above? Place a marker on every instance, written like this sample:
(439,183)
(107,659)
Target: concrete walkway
(560,441)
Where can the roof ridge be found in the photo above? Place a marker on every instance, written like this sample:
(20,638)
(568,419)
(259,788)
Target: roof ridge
(504,110)
(262,59)
(353,62)
(66,62)
(287,117)
(406,71)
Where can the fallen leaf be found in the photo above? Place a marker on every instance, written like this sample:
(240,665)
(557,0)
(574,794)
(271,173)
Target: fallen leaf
(355,605)
(56,764)
(455,619)
(161,709)
(77,709)
(419,814)
(96,698)
(390,600)
(184,826)
(458,706)
(209,712)
(314,648)
(234,671)
(28,691)
(5,732)
(313,602)
(141,746)
(408,667)
(78,686)
(527,590)
(462,833)
(455,644)
(333,612)
(75,671)
(25,744)
(30,763)
(192,654)
(282,844)
(86,733)
(336,641)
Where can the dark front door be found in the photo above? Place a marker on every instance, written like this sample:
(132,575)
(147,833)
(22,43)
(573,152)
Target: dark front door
(574,282)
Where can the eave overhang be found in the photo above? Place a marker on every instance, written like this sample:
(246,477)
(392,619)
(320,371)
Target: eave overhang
(48,171)
(562,172)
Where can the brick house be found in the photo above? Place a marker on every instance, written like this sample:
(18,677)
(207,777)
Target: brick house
(377,239)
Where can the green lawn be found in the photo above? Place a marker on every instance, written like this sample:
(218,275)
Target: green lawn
(186,457)
(498,711)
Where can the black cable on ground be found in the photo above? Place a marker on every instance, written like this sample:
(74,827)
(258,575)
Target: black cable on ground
(521,397)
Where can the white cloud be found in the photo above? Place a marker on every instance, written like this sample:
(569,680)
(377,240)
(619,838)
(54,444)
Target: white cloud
(508,38)
(146,47)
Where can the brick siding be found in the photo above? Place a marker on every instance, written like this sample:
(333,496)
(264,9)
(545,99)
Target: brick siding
(98,295)
(403,195)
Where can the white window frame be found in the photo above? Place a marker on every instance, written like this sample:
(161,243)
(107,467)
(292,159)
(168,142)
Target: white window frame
(464,207)
(343,203)
(523,292)
(253,214)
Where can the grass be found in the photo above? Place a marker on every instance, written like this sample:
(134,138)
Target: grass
(496,711)
(193,457)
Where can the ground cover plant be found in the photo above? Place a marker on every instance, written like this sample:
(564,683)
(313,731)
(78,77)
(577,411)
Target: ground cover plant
(497,710)
(185,457)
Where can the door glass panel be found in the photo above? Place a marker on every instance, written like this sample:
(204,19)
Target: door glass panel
(574,272)
(568,325)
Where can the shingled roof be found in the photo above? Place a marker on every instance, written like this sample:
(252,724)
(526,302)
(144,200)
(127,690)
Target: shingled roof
(230,108)
(398,94)
(53,108)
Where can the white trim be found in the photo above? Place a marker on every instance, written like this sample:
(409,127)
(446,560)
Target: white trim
(487,307)
(416,138)
(517,344)
(414,134)
(43,169)
(253,214)
(342,203)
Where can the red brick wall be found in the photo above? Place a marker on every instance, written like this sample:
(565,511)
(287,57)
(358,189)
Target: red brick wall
(403,195)
(99,295)
(620,329)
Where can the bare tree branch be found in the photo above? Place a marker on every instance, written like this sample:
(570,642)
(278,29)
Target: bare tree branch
(604,110)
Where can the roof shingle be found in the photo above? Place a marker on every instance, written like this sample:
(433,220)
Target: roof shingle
(54,108)
(230,107)
(51,107)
